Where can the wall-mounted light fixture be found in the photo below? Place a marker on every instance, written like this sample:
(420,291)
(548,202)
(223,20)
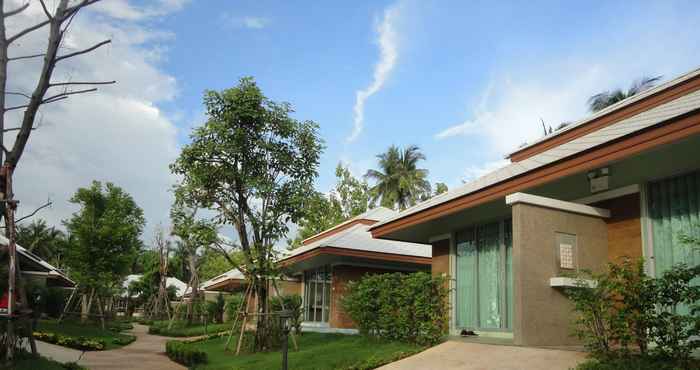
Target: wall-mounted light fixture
(599,179)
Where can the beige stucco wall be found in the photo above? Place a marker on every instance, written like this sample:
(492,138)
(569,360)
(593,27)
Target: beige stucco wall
(542,314)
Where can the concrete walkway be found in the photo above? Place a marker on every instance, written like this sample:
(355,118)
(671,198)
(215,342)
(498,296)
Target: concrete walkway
(475,356)
(146,353)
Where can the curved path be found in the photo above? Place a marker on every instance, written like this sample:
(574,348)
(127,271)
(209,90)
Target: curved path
(146,353)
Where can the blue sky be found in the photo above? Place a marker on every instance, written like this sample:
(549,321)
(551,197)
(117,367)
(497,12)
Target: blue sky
(465,81)
(317,56)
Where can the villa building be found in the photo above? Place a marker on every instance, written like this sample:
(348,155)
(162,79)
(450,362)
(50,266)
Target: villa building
(326,262)
(622,182)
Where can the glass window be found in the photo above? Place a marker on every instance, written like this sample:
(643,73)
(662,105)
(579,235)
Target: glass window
(317,294)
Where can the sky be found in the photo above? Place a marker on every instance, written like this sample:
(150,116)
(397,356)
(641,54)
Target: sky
(467,82)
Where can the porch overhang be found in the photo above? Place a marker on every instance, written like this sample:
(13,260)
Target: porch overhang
(334,255)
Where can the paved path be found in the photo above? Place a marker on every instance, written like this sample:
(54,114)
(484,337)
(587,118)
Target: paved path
(146,353)
(474,356)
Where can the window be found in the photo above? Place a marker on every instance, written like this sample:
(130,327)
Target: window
(565,251)
(317,294)
(484,276)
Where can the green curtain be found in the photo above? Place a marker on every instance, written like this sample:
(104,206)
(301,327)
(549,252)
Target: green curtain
(489,279)
(674,210)
(508,240)
(466,279)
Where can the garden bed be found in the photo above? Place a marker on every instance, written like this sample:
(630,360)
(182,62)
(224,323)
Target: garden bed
(316,351)
(82,336)
(181,329)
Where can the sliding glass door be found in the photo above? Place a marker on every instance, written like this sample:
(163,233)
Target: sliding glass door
(484,277)
(317,294)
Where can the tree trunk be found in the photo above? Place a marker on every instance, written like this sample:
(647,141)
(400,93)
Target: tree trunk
(262,328)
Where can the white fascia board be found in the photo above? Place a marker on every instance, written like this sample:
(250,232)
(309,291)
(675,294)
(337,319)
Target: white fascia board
(557,204)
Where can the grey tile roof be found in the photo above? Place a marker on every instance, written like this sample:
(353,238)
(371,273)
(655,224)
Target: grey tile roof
(359,238)
(374,214)
(233,274)
(642,120)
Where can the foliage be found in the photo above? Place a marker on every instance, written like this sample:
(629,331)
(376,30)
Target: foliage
(316,351)
(215,310)
(440,188)
(213,264)
(626,307)
(405,307)
(25,361)
(182,329)
(46,242)
(399,183)
(629,363)
(349,198)
(104,235)
(69,329)
(233,304)
(183,354)
(253,164)
(293,303)
(607,98)
(80,343)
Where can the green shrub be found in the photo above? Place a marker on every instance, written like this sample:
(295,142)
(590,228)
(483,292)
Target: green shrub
(293,303)
(80,343)
(232,305)
(123,341)
(182,353)
(405,307)
(629,363)
(626,307)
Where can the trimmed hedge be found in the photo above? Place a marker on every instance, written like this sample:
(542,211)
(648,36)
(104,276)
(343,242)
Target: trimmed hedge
(181,353)
(80,343)
(404,307)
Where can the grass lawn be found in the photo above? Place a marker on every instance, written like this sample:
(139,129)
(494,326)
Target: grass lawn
(89,331)
(316,351)
(180,329)
(26,362)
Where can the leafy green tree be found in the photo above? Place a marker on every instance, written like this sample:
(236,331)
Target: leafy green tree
(440,188)
(212,264)
(195,235)
(399,183)
(253,165)
(349,198)
(45,241)
(105,236)
(607,98)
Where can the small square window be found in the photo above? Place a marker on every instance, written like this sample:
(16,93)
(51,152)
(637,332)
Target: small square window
(565,251)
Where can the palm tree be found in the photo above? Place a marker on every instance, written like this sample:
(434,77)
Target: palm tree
(398,181)
(607,98)
(46,242)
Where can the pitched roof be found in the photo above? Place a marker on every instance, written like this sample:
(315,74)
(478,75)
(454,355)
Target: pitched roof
(374,214)
(170,281)
(49,269)
(359,238)
(233,274)
(638,122)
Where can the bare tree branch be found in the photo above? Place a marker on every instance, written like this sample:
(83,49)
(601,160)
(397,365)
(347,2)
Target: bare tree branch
(27,30)
(91,48)
(25,57)
(18,94)
(16,11)
(46,11)
(66,93)
(45,101)
(15,129)
(82,83)
(47,204)
(73,9)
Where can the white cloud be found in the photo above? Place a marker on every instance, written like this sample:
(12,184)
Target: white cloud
(117,134)
(122,9)
(474,172)
(388,54)
(248,21)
